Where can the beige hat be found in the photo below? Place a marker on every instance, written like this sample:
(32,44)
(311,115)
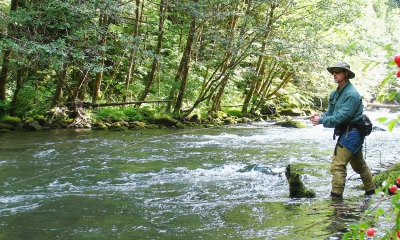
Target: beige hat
(344,66)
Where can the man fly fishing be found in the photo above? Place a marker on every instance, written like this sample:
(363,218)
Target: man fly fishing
(345,109)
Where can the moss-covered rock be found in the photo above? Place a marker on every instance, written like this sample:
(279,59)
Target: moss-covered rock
(218,116)
(229,120)
(163,120)
(297,189)
(11,120)
(292,124)
(5,126)
(40,119)
(180,125)
(4,131)
(116,127)
(99,125)
(293,112)
(137,125)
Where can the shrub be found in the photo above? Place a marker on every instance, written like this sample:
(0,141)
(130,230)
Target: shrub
(235,113)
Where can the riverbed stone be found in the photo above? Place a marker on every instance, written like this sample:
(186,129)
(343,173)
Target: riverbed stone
(31,126)
(137,125)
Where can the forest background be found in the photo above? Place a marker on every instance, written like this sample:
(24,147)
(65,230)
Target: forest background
(199,56)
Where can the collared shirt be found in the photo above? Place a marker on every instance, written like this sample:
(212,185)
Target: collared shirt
(345,107)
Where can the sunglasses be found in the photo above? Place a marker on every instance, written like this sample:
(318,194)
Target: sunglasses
(337,72)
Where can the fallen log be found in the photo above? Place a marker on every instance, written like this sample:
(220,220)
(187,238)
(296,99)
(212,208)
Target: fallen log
(88,104)
(378,105)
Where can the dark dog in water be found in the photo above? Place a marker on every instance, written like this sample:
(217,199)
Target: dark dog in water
(297,188)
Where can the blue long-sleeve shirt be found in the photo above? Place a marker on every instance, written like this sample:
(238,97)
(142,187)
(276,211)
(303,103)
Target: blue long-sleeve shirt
(345,107)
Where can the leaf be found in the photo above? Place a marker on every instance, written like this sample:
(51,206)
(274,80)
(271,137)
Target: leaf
(385,80)
(348,49)
(380,211)
(366,66)
(391,124)
(392,95)
(388,46)
(346,236)
(382,119)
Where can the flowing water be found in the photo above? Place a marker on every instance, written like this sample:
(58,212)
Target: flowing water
(217,183)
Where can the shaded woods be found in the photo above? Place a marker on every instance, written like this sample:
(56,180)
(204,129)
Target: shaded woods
(196,55)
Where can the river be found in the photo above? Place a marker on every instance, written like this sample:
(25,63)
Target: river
(224,182)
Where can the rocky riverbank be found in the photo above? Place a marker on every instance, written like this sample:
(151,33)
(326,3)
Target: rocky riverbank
(61,120)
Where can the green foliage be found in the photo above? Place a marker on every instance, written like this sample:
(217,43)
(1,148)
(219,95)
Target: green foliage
(114,114)
(280,47)
(235,113)
(110,114)
(389,175)
(31,102)
(391,123)
(384,180)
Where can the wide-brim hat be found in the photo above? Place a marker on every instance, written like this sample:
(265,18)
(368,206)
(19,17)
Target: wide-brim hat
(344,66)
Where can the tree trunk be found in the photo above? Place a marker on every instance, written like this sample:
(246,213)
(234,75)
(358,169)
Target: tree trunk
(132,65)
(4,74)
(185,62)
(232,26)
(16,91)
(216,106)
(6,58)
(183,70)
(261,63)
(156,60)
(58,93)
(104,23)
(99,75)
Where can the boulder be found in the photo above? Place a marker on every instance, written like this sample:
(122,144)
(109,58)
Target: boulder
(163,120)
(31,126)
(137,125)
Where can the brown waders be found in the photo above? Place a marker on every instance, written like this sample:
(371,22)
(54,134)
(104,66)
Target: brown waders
(340,159)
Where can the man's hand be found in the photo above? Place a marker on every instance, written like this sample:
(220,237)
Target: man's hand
(315,118)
